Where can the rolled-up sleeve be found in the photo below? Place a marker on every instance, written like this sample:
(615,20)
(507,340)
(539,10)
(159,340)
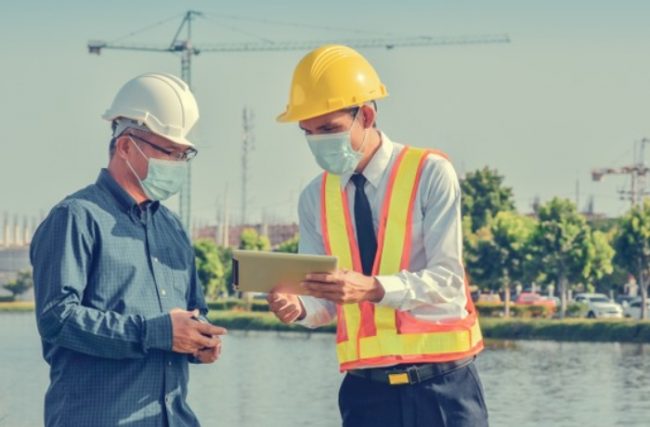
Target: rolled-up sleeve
(62,255)
(318,312)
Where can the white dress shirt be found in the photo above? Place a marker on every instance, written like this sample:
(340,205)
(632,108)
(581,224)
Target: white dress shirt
(432,288)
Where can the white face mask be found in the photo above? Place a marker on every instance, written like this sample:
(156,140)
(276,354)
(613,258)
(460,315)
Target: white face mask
(164,177)
(333,151)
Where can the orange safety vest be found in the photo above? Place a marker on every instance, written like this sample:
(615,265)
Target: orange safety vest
(374,335)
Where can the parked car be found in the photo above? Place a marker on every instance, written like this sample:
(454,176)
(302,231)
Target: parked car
(494,298)
(531,298)
(633,308)
(624,300)
(599,306)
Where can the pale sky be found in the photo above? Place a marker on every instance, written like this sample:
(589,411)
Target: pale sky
(570,92)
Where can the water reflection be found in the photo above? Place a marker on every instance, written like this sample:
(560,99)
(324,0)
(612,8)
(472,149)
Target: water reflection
(292,379)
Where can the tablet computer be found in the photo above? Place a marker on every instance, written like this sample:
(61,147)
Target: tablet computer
(256,271)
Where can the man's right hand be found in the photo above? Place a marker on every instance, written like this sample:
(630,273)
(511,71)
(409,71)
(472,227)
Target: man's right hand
(287,307)
(190,335)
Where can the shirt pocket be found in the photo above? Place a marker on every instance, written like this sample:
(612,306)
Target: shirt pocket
(179,281)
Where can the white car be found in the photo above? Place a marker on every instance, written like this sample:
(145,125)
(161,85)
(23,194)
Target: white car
(633,308)
(599,305)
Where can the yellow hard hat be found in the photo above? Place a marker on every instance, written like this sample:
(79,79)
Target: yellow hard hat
(331,78)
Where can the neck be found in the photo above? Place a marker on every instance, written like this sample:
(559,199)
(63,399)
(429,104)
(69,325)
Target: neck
(123,175)
(373,143)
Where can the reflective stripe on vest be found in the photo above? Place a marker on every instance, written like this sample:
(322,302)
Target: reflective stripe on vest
(369,334)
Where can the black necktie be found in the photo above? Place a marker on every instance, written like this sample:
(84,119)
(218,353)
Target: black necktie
(366,238)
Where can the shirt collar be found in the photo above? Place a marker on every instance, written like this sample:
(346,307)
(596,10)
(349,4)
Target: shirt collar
(106,181)
(377,165)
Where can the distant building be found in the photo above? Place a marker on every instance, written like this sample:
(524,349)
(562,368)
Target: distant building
(13,260)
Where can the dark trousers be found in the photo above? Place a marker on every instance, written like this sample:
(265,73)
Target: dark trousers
(453,399)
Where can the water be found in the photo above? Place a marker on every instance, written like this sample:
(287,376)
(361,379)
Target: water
(290,379)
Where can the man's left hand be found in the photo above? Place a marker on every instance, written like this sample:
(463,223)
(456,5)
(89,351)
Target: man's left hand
(343,287)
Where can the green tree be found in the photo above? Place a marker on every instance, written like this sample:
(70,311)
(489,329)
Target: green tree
(209,267)
(225,255)
(600,257)
(251,240)
(290,246)
(501,252)
(633,247)
(21,284)
(564,249)
(483,196)
(614,280)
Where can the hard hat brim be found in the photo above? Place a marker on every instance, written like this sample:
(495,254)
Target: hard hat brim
(292,116)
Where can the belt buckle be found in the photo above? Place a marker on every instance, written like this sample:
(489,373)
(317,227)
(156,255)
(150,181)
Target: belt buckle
(410,375)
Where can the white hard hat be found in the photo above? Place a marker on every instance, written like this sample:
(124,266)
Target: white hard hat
(161,102)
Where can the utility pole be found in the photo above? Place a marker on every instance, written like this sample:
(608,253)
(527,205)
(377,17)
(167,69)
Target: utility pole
(637,171)
(226,220)
(248,145)
(5,230)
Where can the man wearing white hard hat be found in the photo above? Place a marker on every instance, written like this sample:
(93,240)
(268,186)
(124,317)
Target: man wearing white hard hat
(118,304)
(407,331)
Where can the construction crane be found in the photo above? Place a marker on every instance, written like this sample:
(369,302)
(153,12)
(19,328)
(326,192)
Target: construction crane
(186,49)
(637,171)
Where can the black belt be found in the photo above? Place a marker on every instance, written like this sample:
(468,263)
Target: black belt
(410,374)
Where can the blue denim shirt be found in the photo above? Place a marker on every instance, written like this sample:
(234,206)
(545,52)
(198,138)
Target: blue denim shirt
(106,274)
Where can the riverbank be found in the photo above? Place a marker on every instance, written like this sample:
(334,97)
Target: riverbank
(570,330)
(16,306)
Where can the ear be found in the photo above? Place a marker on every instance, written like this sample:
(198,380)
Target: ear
(123,146)
(369,116)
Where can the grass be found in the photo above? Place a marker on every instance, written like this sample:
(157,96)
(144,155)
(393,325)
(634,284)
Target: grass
(493,328)
(567,330)
(257,321)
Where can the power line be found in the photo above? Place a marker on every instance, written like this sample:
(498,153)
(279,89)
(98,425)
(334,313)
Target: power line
(148,27)
(300,25)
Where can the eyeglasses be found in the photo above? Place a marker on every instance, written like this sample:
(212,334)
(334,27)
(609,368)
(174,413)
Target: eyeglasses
(186,155)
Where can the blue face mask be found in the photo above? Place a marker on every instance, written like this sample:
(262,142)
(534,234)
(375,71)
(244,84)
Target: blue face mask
(164,177)
(334,152)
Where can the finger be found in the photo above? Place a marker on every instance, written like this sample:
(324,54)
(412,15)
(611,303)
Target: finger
(288,309)
(273,296)
(321,286)
(277,306)
(210,329)
(203,342)
(291,316)
(209,353)
(323,277)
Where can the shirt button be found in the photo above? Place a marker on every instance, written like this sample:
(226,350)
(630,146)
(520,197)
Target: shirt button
(163,292)
(155,259)
(169,363)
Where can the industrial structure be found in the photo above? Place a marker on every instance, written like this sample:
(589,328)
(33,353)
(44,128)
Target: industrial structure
(637,173)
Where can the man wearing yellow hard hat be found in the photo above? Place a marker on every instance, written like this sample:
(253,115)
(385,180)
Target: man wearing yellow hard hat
(407,331)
